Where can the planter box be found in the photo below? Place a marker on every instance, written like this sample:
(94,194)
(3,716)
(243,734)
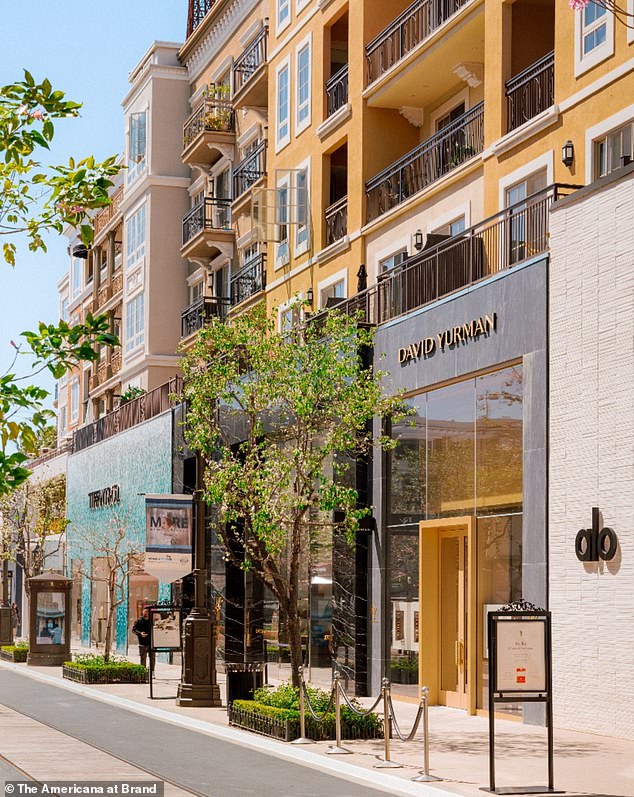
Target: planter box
(14,655)
(105,675)
(287,730)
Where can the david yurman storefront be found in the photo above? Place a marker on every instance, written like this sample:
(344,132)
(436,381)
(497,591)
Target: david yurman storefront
(461,501)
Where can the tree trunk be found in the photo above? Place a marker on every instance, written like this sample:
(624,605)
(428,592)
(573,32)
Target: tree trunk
(110,616)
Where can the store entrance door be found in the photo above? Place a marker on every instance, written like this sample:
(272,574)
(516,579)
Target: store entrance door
(447,592)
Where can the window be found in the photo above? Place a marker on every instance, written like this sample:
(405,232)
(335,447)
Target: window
(77,282)
(301,211)
(283,13)
(74,400)
(332,294)
(283,121)
(197,291)
(63,312)
(526,225)
(137,145)
(391,262)
(613,150)
(250,253)
(594,26)
(281,224)
(594,36)
(134,323)
(303,88)
(62,422)
(135,235)
(290,317)
(453,228)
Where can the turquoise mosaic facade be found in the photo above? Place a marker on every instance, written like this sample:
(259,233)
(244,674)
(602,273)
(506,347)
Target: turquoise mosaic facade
(139,460)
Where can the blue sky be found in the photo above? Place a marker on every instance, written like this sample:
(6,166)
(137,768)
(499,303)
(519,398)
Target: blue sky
(87,50)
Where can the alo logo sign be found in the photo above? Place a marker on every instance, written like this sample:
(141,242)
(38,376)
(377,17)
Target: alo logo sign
(592,544)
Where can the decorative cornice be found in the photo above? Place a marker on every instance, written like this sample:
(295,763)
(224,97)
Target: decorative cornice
(415,116)
(333,122)
(471,72)
(215,37)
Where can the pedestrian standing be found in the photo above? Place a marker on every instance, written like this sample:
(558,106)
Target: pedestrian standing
(142,628)
(15,618)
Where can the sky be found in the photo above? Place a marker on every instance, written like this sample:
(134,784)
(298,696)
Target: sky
(87,49)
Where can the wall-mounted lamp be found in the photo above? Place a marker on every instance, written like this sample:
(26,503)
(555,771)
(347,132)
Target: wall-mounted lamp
(568,153)
(418,240)
(309,296)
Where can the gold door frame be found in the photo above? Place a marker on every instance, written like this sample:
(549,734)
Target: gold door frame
(429,603)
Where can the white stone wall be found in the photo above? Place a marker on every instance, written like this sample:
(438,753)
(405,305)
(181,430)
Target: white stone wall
(592,457)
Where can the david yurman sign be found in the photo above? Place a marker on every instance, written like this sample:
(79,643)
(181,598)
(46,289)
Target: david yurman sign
(109,496)
(594,544)
(450,337)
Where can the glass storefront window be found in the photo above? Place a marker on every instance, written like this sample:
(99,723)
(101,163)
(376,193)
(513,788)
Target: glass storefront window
(404,640)
(499,441)
(450,450)
(499,563)
(409,467)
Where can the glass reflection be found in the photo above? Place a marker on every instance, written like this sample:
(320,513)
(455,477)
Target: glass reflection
(408,466)
(51,618)
(450,450)
(499,441)
(404,585)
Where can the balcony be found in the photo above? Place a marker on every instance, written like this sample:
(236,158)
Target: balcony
(193,318)
(250,74)
(249,170)
(336,221)
(428,162)
(449,264)
(115,361)
(530,92)
(128,415)
(337,91)
(405,69)
(209,133)
(249,280)
(117,282)
(105,216)
(198,9)
(207,229)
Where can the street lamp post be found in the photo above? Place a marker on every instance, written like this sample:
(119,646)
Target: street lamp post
(199,686)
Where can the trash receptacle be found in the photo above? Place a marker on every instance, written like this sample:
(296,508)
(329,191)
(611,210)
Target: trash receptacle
(242,679)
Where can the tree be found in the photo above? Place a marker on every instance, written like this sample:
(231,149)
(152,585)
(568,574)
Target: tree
(32,522)
(304,404)
(106,553)
(33,201)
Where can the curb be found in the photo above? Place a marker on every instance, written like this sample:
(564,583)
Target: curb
(372,778)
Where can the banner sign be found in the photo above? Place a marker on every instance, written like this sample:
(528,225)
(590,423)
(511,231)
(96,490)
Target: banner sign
(166,628)
(168,536)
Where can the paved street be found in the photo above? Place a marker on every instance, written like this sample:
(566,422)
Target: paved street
(188,759)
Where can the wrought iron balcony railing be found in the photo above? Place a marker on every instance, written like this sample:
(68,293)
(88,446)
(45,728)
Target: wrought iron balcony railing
(212,114)
(249,170)
(209,214)
(198,9)
(531,91)
(336,220)
(428,162)
(128,415)
(193,317)
(247,64)
(337,90)
(516,234)
(408,30)
(249,280)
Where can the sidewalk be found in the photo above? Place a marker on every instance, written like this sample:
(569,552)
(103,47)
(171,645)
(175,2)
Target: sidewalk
(585,764)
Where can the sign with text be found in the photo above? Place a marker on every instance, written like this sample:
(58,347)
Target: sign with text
(166,627)
(521,656)
(168,536)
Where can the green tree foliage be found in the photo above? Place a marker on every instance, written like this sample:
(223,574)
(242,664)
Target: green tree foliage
(300,407)
(34,201)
